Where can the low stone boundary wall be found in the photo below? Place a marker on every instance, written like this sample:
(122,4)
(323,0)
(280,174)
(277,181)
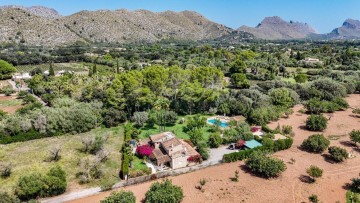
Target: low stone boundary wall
(131,181)
(163,174)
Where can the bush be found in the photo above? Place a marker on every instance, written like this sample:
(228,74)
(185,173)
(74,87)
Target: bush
(6,70)
(6,198)
(301,78)
(113,117)
(315,143)
(281,97)
(94,144)
(355,184)
(203,150)
(214,140)
(37,185)
(120,197)
(5,170)
(314,172)
(313,198)
(261,163)
(327,89)
(268,144)
(125,166)
(338,154)
(144,150)
(355,136)
(164,192)
(140,118)
(316,123)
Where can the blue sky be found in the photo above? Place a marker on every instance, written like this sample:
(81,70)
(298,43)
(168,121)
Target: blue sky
(323,15)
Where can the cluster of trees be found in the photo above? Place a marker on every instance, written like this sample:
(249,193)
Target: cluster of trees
(64,116)
(39,185)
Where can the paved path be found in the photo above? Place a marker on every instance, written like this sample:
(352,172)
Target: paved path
(25,88)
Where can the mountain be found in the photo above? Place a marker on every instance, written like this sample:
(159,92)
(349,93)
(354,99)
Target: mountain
(350,29)
(44,26)
(37,10)
(21,26)
(142,25)
(275,28)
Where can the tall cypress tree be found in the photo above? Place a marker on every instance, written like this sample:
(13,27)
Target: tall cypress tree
(94,69)
(117,66)
(51,70)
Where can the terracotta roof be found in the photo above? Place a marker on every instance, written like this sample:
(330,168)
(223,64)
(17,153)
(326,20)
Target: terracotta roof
(161,136)
(189,150)
(144,141)
(160,156)
(173,142)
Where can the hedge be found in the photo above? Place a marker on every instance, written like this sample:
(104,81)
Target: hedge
(125,166)
(277,145)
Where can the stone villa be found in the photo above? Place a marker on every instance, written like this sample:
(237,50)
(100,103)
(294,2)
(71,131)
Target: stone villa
(169,150)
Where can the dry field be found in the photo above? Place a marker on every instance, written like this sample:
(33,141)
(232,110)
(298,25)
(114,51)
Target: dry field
(288,187)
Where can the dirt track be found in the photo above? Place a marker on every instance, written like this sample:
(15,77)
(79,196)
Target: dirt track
(288,187)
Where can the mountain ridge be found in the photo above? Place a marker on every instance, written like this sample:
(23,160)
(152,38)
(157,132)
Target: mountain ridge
(38,25)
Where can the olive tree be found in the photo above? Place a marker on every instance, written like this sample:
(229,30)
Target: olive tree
(164,192)
(261,163)
(315,143)
(120,197)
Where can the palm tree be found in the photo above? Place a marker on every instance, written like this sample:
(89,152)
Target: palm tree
(162,105)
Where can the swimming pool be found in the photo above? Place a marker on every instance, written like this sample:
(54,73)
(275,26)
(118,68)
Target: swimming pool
(223,124)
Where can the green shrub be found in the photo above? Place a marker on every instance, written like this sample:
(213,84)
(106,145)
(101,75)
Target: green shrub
(338,154)
(261,163)
(6,70)
(6,198)
(268,145)
(120,197)
(314,172)
(125,166)
(316,123)
(37,185)
(214,140)
(315,143)
(164,192)
(7,90)
(355,136)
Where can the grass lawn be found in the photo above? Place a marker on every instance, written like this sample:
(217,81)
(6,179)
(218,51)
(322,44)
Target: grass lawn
(139,164)
(28,157)
(10,102)
(291,80)
(177,129)
(352,197)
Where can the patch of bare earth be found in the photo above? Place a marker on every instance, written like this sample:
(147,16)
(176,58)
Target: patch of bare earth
(286,188)
(10,109)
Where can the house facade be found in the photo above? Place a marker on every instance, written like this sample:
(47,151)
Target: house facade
(170,151)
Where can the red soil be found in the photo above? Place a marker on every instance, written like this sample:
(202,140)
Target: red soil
(286,188)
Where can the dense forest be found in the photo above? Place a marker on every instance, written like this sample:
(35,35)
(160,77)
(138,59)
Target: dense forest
(258,80)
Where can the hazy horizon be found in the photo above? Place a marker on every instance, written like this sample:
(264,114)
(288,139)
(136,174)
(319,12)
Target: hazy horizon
(322,15)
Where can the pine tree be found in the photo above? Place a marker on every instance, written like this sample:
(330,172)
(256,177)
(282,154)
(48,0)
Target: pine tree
(51,70)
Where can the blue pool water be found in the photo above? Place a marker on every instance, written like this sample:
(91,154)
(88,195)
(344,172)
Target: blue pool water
(223,123)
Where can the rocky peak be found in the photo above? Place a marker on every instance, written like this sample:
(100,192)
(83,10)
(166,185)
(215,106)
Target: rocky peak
(37,10)
(273,20)
(351,23)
